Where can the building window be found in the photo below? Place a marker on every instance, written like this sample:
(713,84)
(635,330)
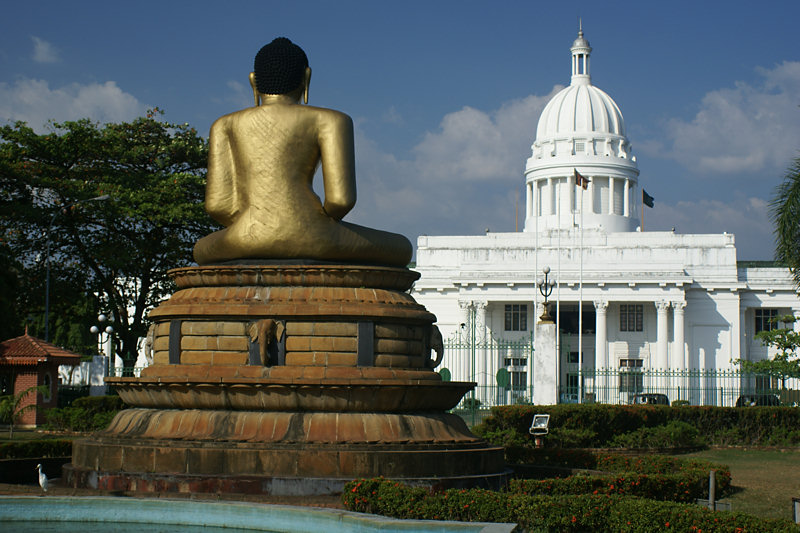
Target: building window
(516,317)
(518,377)
(631,317)
(630,376)
(47,394)
(572,357)
(764,319)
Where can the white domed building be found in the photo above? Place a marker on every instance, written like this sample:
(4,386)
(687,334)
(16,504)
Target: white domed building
(636,311)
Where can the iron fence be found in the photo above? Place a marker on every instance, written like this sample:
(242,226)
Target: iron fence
(724,388)
(128,371)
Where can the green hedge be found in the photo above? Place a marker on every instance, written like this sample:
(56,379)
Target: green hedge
(655,477)
(648,426)
(548,513)
(36,448)
(88,413)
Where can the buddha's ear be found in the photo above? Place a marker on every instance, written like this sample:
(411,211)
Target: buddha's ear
(253,85)
(306,83)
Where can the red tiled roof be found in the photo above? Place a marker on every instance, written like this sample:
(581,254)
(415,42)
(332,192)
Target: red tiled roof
(27,350)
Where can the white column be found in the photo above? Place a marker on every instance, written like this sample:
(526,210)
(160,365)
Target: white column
(626,198)
(678,349)
(601,334)
(601,350)
(464,370)
(662,357)
(483,364)
(590,195)
(529,199)
(611,181)
(796,314)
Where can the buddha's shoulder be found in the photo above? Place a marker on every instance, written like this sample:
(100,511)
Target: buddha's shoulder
(297,111)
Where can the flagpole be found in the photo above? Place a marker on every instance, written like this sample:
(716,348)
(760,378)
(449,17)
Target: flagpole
(558,283)
(580,305)
(641,208)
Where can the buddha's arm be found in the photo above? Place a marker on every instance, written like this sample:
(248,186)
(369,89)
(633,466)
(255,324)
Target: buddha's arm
(338,163)
(222,198)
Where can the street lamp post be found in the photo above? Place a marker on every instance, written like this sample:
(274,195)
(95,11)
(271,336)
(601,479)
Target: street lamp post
(101,319)
(47,260)
(545,289)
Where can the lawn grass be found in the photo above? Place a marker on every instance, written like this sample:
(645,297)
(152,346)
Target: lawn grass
(764,480)
(23,434)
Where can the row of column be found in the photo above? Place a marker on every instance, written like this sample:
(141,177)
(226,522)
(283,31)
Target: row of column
(541,203)
(662,359)
(474,328)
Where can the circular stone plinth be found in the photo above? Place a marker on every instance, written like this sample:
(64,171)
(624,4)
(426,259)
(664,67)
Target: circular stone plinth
(121,459)
(295,275)
(292,428)
(330,395)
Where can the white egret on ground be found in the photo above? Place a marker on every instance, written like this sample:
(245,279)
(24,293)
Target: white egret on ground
(43,482)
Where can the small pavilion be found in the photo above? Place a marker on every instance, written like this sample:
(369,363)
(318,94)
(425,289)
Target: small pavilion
(27,362)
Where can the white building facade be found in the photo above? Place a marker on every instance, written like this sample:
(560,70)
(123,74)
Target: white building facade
(637,311)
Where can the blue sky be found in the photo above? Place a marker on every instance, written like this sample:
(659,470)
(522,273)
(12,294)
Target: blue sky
(446,95)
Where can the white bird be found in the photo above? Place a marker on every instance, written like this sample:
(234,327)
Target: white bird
(43,482)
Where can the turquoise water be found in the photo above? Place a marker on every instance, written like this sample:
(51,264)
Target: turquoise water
(34,514)
(101,527)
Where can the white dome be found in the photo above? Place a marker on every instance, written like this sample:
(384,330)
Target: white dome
(581,160)
(580,109)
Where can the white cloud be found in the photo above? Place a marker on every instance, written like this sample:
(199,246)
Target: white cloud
(43,51)
(745,216)
(34,102)
(459,180)
(241,95)
(473,145)
(744,129)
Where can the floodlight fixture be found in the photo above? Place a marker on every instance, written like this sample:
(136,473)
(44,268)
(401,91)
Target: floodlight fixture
(540,425)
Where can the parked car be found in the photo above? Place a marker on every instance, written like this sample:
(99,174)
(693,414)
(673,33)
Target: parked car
(750,400)
(650,398)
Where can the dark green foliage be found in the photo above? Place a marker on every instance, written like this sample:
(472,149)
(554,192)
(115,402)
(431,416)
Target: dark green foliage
(110,256)
(785,214)
(674,434)
(36,448)
(649,426)
(585,512)
(655,477)
(89,413)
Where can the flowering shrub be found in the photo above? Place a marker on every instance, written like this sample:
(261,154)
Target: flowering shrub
(655,477)
(585,512)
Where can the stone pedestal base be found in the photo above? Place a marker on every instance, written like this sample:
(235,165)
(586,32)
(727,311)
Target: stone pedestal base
(281,378)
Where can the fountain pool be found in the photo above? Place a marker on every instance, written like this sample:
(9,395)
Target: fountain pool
(34,514)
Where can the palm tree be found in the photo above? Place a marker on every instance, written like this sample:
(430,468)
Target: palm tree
(11,406)
(785,214)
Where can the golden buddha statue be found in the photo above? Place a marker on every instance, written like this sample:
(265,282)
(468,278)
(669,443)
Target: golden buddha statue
(261,165)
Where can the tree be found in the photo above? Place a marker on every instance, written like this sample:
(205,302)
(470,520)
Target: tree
(11,407)
(785,214)
(786,363)
(115,253)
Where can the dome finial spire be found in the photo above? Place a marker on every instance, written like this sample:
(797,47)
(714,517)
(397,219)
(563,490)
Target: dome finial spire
(580,58)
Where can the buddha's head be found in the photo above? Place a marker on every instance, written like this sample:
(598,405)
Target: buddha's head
(281,68)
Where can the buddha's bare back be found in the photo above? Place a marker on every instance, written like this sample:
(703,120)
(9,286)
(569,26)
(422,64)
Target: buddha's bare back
(260,171)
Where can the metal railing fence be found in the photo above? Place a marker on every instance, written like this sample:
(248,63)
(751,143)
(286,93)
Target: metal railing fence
(723,388)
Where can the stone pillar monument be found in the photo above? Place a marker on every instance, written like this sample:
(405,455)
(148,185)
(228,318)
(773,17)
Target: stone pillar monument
(545,366)
(292,359)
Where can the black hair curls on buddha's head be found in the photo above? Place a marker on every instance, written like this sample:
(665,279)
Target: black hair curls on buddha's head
(279,67)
